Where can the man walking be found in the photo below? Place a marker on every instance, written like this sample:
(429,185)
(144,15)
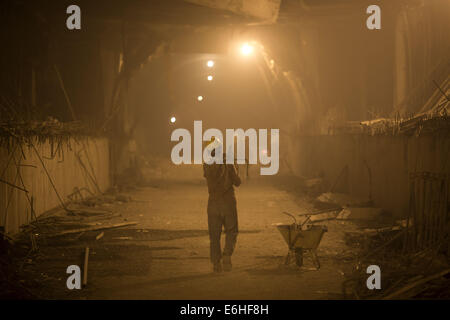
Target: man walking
(222,212)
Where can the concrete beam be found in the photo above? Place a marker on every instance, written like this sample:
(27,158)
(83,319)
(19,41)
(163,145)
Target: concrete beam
(265,10)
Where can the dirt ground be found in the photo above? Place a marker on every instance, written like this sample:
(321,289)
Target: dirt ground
(166,255)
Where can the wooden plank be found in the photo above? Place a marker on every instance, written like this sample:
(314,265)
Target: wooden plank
(85,268)
(117,225)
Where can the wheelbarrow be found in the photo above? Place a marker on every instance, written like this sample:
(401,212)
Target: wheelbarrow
(301,239)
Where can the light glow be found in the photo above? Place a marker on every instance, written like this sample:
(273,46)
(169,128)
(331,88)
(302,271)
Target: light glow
(246,49)
(200,98)
(173,119)
(210,64)
(210,78)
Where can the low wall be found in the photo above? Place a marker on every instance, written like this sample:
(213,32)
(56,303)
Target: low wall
(71,163)
(379,165)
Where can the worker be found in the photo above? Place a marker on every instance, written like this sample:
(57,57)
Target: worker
(222,211)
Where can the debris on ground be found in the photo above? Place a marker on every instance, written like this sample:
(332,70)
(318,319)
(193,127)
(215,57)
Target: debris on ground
(79,217)
(408,271)
(86,212)
(324,216)
(321,215)
(61,233)
(344,200)
(356,213)
(416,274)
(13,286)
(313,183)
(313,186)
(122,238)
(95,228)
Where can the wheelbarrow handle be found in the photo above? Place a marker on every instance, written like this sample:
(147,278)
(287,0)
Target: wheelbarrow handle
(290,215)
(308,218)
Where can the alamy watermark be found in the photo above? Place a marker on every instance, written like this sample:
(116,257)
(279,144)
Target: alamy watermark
(182,151)
(374,280)
(73,21)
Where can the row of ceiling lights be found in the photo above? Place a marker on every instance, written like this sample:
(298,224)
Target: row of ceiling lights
(246,50)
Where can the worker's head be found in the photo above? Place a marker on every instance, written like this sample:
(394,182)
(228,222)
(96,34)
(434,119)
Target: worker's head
(206,143)
(211,148)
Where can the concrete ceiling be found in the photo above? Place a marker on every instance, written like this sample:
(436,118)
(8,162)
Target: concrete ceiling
(263,10)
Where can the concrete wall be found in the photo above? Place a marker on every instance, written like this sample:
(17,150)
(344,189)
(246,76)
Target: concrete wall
(64,168)
(390,159)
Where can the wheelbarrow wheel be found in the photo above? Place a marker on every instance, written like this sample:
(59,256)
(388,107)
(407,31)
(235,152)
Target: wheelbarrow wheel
(299,257)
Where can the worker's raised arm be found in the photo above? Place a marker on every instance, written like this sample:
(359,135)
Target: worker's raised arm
(233,175)
(204,170)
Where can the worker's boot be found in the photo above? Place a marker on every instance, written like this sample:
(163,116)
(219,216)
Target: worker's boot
(226,263)
(217,267)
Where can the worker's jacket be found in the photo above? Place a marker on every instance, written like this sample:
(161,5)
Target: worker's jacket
(220,179)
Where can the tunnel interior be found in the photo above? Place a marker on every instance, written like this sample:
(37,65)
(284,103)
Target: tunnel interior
(354,121)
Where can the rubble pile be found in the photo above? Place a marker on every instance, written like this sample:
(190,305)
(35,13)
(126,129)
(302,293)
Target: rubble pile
(421,274)
(80,224)
(80,215)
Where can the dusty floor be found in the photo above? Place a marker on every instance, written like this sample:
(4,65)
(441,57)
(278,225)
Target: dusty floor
(166,255)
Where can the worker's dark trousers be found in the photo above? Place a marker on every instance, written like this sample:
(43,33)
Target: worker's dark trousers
(222,212)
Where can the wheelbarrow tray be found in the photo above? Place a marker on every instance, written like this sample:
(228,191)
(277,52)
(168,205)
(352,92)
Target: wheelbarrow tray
(297,238)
